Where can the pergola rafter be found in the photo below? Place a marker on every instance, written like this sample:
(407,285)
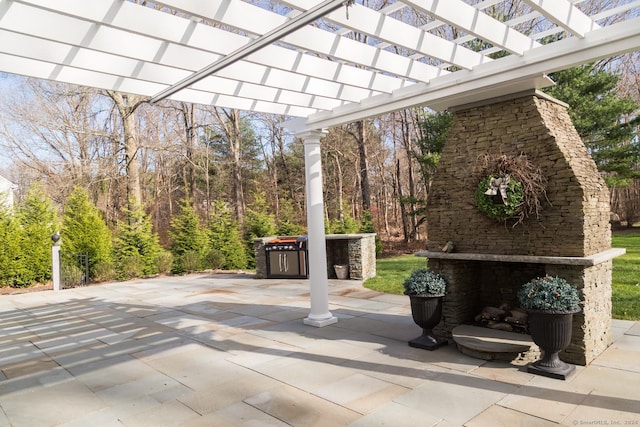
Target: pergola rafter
(394,32)
(258,21)
(566,15)
(124,46)
(461,15)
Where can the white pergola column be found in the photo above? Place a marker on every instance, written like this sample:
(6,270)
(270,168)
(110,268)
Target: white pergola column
(318,281)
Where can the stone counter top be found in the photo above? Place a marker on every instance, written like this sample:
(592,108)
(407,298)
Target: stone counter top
(348,236)
(587,261)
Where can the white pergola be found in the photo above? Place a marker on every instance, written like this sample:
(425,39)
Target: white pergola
(322,63)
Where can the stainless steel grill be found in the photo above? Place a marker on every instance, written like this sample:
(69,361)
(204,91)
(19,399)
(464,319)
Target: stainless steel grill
(287,257)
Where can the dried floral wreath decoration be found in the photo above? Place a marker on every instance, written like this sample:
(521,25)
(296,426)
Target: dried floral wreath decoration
(509,188)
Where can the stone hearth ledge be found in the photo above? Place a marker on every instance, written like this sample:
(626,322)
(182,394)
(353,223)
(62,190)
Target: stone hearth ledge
(533,259)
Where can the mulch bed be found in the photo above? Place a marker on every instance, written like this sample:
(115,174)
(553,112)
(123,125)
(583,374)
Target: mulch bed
(7,290)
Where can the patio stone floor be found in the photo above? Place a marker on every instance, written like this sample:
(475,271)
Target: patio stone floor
(230,350)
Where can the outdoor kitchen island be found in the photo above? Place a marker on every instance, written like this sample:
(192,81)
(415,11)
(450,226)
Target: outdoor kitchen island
(355,251)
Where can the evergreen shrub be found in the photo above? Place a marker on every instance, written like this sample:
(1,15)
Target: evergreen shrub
(549,293)
(215,259)
(188,240)
(189,262)
(104,271)
(424,282)
(84,230)
(224,238)
(258,223)
(136,240)
(130,267)
(38,222)
(13,269)
(164,261)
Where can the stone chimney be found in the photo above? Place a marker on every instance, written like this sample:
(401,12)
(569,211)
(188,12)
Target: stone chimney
(571,238)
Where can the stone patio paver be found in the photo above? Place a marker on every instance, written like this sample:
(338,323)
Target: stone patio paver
(498,416)
(441,397)
(622,354)
(111,415)
(298,408)
(359,392)
(167,414)
(237,415)
(50,405)
(634,330)
(398,415)
(547,398)
(502,372)
(596,410)
(229,350)
(228,393)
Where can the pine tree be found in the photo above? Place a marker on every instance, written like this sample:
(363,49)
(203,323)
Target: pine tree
(38,221)
(84,231)
(136,245)
(598,114)
(286,225)
(224,237)
(13,269)
(188,240)
(258,223)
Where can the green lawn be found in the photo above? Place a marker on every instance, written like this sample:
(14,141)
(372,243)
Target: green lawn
(391,272)
(626,277)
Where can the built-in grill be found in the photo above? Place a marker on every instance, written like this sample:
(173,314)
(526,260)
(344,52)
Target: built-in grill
(287,257)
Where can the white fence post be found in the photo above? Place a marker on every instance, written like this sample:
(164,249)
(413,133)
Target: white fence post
(55,261)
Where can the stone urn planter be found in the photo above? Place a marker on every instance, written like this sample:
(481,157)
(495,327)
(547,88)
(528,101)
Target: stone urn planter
(426,290)
(551,331)
(551,303)
(342,271)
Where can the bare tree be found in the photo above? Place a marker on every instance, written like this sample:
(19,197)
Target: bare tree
(228,133)
(126,106)
(359,133)
(57,132)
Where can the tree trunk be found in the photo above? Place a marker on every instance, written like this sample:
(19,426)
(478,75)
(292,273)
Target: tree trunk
(126,105)
(339,185)
(403,210)
(364,166)
(237,169)
(231,128)
(188,118)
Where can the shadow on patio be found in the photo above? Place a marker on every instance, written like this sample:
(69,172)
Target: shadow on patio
(199,346)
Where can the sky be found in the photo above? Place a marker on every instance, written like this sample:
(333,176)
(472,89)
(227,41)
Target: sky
(6,81)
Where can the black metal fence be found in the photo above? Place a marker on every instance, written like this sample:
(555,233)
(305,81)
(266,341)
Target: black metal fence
(74,269)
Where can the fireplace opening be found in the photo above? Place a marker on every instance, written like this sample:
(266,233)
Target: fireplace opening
(498,306)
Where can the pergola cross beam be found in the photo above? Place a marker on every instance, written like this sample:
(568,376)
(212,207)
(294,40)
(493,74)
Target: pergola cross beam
(255,20)
(382,27)
(566,15)
(168,57)
(242,52)
(466,17)
(319,72)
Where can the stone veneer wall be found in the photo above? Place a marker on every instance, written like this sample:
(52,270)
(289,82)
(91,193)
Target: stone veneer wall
(592,326)
(575,222)
(261,256)
(362,257)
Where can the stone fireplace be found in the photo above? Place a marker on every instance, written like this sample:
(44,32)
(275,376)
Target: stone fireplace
(571,237)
